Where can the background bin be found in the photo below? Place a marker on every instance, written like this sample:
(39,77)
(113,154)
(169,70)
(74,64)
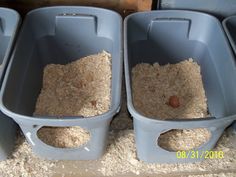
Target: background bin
(169,37)
(218,8)
(229,25)
(59,35)
(9,21)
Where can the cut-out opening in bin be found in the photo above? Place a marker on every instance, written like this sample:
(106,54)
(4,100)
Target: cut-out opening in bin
(183,139)
(64,137)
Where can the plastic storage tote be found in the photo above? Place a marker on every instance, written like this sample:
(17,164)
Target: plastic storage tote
(52,35)
(229,25)
(9,21)
(169,37)
(216,7)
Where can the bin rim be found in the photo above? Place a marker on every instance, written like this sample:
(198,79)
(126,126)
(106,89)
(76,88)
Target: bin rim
(224,24)
(72,7)
(12,11)
(171,11)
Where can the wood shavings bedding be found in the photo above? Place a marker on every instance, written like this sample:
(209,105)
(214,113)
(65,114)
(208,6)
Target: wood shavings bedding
(153,85)
(80,88)
(172,91)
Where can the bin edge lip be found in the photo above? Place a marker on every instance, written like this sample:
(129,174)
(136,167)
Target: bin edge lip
(172,11)
(12,40)
(227,32)
(107,115)
(138,116)
(72,7)
(11,10)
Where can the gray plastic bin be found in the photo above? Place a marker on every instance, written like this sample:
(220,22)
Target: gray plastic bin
(229,25)
(220,8)
(59,35)
(169,37)
(9,21)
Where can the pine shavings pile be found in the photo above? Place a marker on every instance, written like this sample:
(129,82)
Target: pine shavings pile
(81,88)
(153,85)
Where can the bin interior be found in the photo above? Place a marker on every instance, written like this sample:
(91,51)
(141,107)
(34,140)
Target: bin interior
(3,45)
(53,36)
(231,27)
(8,24)
(170,37)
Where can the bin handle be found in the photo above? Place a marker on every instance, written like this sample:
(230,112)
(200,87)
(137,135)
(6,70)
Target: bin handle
(170,19)
(75,15)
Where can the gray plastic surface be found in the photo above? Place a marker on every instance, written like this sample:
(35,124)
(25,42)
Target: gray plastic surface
(229,25)
(170,37)
(220,8)
(60,35)
(9,21)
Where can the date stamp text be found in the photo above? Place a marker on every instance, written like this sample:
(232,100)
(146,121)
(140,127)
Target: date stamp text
(195,154)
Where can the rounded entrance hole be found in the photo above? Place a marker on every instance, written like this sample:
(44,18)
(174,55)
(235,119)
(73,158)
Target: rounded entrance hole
(64,137)
(183,139)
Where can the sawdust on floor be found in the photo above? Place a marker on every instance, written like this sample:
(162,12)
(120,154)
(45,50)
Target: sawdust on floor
(122,121)
(215,175)
(23,163)
(121,158)
(172,91)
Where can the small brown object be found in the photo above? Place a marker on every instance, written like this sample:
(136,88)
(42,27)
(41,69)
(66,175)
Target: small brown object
(174,101)
(94,103)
